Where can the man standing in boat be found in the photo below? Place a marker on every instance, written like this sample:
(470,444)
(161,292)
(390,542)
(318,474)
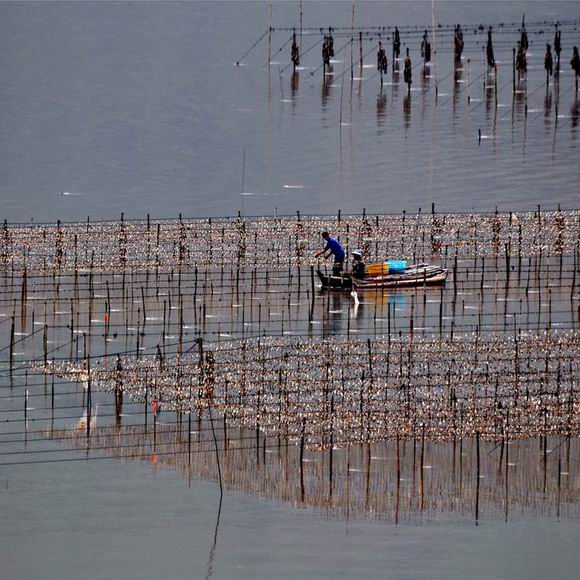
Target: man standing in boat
(334,248)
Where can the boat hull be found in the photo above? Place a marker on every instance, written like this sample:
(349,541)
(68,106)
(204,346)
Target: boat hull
(415,276)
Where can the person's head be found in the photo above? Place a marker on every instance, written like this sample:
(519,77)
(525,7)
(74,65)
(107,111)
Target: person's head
(357,255)
(326,235)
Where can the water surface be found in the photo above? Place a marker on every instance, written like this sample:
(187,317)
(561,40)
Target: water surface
(139,108)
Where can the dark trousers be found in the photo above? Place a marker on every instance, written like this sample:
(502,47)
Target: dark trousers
(337,267)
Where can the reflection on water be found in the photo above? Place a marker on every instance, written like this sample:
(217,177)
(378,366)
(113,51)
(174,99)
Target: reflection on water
(381,107)
(490,95)
(395,85)
(425,86)
(327,81)
(521,101)
(548,122)
(294,85)
(457,90)
(407,110)
(397,481)
(574,114)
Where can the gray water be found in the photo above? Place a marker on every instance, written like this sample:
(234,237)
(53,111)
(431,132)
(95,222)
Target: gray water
(139,108)
(111,520)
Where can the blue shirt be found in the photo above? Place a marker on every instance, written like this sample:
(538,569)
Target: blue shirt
(335,249)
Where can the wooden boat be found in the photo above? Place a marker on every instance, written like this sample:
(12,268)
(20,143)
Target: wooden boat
(414,276)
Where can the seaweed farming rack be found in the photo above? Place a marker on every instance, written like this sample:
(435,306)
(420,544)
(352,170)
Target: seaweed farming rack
(206,345)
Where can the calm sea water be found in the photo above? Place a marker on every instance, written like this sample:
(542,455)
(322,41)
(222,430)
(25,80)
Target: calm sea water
(139,108)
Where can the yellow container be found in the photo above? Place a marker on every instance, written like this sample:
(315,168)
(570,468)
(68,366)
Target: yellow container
(374,270)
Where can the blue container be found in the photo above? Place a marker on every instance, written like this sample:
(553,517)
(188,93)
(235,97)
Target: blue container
(397,266)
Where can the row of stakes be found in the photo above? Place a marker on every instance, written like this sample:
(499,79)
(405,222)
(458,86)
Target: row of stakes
(280,242)
(314,395)
(519,61)
(267,395)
